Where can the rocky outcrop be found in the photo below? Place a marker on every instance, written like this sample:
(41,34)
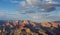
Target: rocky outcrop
(26,27)
(45,24)
(49,24)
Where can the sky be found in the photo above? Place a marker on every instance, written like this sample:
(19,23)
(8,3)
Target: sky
(34,10)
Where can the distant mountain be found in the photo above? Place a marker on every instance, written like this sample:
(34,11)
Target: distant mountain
(2,22)
(57,21)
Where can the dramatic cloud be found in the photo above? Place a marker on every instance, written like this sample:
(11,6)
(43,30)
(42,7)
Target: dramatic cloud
(45,6)
(32,10)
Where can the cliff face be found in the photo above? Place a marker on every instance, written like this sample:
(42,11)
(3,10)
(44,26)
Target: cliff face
(26,27)
(51,27)
(50,24)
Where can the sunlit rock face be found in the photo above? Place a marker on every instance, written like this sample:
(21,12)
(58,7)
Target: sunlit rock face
(31,28)
(28,30)
(7,23)
(15,22)
(45,24)
(55,25)
(49,24)
(33,24)
(25,22)
(21,25)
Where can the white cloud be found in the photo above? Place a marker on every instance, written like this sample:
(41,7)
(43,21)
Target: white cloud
(33,2)
(47,6)
(5,15)
(32,17)
(23,3)
(35,16)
